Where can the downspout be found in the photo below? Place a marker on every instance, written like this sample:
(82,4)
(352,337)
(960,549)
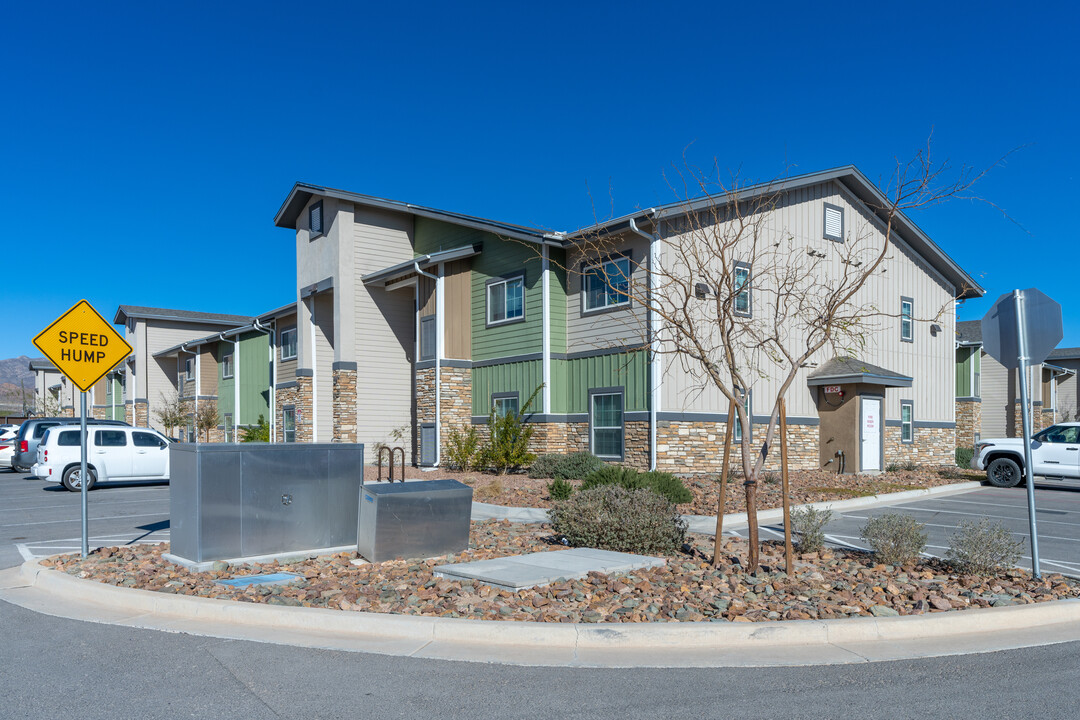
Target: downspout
(655,366)
(438,353)
(272,336)
(545,285)
(235,382)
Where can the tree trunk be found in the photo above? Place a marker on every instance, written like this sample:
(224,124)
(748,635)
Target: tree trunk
(751,521)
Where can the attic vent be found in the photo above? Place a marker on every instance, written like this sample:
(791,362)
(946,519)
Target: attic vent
(834,223)
(315,219)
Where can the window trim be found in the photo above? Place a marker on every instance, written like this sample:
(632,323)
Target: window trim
(420,340)
(295,344)
(189,369)
(910,422)
(503,280)
(515,395)
(226,420)
(230,357)
(594,392)
(284,428)
(824,222)
(583,271)
(434,453)
(910,318)
(976,379)
(312,234)
(749,312)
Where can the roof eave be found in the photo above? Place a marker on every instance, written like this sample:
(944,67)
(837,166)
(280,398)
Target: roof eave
(867,378)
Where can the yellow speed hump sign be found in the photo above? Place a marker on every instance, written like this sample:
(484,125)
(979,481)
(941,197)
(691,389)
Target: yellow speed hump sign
(82,345)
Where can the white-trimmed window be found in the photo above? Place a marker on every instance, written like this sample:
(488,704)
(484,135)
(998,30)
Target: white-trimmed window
(505,404)
(907,306)
(315,218)
(229,429)
(227,366)
(288,344)
(606,432)
(833,228)
(743,305)
(907,425)
(505,300)
(607,284)
(189,368)
(288,424)
(736,433)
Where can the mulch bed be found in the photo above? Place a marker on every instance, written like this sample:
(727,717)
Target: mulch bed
(834,584)
(519,490)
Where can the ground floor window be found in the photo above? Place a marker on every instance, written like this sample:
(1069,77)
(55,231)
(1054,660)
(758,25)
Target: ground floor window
(229,428)
(907,433)
(288,424)
(736,432)
(190,429)
(504,404)
(606,433)
(427,445)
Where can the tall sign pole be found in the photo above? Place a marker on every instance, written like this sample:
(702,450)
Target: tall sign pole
(82,475)
(1022,360)
(84,347)
(1019,331)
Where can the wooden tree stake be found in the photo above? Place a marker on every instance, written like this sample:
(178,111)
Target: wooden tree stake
(723,486)
(788,561)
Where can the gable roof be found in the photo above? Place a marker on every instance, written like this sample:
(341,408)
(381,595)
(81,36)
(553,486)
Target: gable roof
(150,313)
(969,332)
(41,364)
(850,370)
(1072,353)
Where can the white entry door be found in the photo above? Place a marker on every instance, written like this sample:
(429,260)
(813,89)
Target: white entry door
(870,451)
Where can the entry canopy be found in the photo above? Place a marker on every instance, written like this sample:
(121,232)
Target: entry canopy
(842,370)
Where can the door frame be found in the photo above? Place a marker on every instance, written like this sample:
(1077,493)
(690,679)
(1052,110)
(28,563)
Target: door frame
(880,399)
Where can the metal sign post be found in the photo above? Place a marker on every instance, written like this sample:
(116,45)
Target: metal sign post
(82,475)
(1025,423)
(1019,331)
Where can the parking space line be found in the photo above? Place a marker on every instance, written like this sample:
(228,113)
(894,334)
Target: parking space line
(997,505)
(1042,521)
(75,519)
(97,504)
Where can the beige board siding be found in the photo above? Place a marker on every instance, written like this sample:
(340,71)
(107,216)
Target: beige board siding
(208,368)
(286,369)
(458,309)
(997,410)
(385,328)
(1068,392)
(597,330)
(796,223)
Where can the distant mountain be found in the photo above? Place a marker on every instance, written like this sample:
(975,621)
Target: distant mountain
(16,370)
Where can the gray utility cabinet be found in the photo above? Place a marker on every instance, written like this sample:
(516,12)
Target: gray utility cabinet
(425,518)
(233,500)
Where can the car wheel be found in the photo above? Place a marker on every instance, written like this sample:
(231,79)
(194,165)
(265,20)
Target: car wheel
(1004,473)
(73,482)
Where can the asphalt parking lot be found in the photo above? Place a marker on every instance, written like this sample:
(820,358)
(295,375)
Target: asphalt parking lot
(39,518)
(1057,505)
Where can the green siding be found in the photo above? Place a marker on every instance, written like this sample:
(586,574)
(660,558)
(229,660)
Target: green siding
(522,377)
(254,368)
(558,301)
(630,371)
(115,402)
(432,236)
(965,358)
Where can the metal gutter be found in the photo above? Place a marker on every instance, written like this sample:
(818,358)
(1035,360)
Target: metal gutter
(655,366)
(406,266)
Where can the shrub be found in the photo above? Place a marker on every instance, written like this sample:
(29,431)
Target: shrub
(463,449)
(560,489)
(664,484)
(810,524)
(614,518)
(546,465)
(577,466)
(259,432)
(963,457)
(897,467)
(896,539)
(508,448)
(983,547)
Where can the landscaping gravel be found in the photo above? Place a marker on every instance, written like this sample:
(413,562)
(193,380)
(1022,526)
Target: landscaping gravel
(832,584)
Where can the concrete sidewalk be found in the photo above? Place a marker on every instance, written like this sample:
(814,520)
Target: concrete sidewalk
(691,644)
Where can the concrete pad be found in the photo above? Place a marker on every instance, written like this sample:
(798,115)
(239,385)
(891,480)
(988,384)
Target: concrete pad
(543,568)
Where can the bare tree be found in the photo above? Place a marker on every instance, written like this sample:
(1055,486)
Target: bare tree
(725,239)
(206,418)
(172,412)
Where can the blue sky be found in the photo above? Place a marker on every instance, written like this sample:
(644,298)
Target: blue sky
(144,149)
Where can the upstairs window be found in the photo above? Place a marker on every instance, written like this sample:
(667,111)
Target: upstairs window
(315,219)
(742,289)
(227,366)
(189,369)
(906,307)
(834,223)
(505,300)
(427,337)
(288,344)
(607,284)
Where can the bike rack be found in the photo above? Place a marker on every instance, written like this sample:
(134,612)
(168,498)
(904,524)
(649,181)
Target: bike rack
(391,454)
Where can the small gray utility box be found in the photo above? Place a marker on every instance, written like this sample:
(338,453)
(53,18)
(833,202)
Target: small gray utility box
(426,518)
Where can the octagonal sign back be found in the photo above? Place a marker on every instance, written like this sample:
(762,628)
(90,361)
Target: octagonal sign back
(1041,326)
(82,345)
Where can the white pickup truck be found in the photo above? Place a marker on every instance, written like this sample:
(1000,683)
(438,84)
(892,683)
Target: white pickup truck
(113,453)
(1055,453)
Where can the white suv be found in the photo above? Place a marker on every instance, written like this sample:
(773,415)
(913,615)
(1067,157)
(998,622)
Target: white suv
(112,453)
(1055,453)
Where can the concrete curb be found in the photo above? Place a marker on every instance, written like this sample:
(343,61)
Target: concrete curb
(558,644)
(706,524)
